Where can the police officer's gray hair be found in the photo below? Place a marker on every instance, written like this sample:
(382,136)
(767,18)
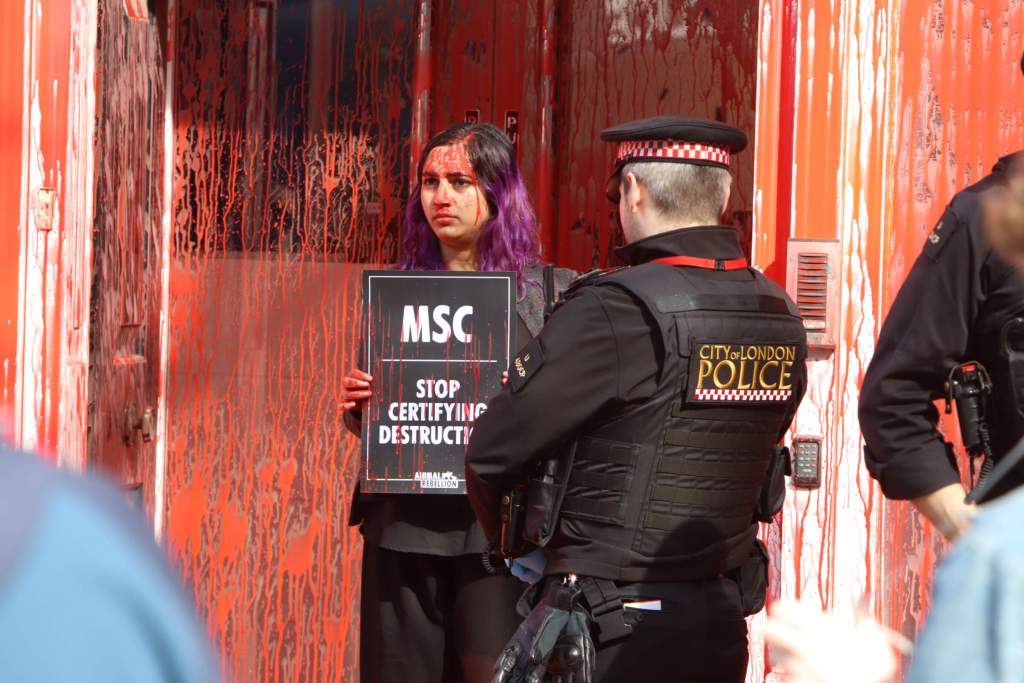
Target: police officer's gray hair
(685,193)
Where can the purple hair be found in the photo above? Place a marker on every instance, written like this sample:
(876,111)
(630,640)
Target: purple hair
(508,241)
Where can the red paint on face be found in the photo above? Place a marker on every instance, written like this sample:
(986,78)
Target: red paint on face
(449,161)
(452,198)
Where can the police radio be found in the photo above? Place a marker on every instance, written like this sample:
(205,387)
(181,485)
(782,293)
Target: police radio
(968,385)
(513,512)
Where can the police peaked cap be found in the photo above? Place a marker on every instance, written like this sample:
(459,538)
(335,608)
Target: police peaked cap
(679,139)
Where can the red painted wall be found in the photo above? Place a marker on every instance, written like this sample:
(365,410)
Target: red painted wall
(870,116)
(55,220)
(12,24)
(960,107)
(84,217)
(39,373)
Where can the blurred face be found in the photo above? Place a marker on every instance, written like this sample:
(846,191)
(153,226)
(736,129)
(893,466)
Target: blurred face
(452,197)
(1003,211)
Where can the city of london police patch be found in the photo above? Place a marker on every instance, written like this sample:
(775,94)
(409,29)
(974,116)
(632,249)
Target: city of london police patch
(729,372)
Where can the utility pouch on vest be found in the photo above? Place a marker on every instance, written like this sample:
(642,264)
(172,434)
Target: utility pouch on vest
(752,578)
(773,490)
(606,614)
(544,494)
(1011,344)
(513,511)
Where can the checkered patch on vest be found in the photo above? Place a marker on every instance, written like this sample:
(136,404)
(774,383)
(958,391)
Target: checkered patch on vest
(726,372)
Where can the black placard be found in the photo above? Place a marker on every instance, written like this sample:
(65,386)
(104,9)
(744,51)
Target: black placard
(436,344)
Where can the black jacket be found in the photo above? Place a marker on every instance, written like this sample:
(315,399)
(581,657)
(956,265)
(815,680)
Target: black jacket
(951,308)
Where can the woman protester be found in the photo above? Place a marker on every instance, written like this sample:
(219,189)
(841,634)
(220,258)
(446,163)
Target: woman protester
(430,612)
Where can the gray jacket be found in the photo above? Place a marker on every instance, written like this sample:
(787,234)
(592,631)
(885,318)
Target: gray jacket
(531,307)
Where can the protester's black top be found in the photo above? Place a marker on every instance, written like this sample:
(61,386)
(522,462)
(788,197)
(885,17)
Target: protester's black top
(601,361)
(952,308)
(441,524)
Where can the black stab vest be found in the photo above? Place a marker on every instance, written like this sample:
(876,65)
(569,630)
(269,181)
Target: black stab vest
(671,484)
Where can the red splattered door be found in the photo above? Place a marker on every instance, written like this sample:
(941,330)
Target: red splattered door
(126,262)
(292,126)
(482,53)
(487,62)
(553,73)
(619,61)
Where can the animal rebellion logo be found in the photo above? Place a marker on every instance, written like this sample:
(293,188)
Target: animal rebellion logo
(437,480)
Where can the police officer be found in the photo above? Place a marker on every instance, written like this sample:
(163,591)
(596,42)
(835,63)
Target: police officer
(670,383)
(960,302)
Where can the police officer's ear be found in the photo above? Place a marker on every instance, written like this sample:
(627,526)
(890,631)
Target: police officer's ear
(723,212)
(633,192)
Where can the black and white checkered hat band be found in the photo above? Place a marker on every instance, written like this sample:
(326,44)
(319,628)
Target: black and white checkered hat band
(638,150)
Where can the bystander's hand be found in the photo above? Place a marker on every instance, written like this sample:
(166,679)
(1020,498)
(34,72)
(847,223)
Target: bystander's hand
(947,510)
(355,389)
(814,647)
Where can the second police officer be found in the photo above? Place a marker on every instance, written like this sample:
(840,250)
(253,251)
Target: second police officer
(961,303)
(667,385)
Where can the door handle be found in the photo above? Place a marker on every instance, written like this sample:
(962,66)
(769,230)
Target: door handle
(145,424)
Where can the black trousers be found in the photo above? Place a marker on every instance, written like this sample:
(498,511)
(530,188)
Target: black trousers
(432,619)
(700,635)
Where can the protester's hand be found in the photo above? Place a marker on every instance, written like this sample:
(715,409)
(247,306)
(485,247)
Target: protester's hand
(355,389)
(1003,209)
(947,510)
(504,378)
(814,647)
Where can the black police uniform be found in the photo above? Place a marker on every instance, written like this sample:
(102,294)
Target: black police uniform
(959,303)
(667,384)
(666,473)
(429,611)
